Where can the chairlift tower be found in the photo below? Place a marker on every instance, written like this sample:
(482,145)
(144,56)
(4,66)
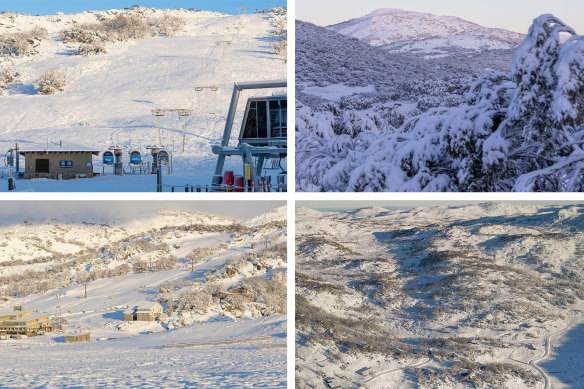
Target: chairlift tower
(158,113)
(184,113)
(213,89)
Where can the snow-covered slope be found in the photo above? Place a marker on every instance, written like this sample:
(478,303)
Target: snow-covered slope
(484,295)
(277,215)
(109,96)
(389,25)
(86,273)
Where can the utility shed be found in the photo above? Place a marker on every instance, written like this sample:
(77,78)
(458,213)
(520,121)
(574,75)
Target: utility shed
(147,311)
(57,161)
(129,315)
(77,338)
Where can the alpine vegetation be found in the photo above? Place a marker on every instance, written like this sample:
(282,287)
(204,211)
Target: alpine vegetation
(7,77)
(52,81)
(503,131)
(21,44)
(93,37)
(279,19)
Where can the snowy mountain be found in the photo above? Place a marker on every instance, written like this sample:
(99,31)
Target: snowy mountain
(335,67)
(115,80)
(86,273)
(406,30)
(278,215)
(478,295)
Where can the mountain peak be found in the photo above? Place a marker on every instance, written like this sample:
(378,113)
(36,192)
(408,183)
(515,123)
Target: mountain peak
(385,26)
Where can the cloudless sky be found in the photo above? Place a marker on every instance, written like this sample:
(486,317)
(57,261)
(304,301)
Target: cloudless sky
(513,15)
(49,7)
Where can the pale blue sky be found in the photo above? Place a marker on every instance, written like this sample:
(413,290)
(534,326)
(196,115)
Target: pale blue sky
(49,7)
(514,15)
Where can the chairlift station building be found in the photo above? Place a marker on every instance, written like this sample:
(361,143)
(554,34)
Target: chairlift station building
(58,162)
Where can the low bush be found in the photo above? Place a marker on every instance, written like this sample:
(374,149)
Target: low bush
(51,82)
(93,37)
(20,44)
(6,78)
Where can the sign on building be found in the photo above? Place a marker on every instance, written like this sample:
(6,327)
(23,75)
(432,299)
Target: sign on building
(135,158)
(108,158)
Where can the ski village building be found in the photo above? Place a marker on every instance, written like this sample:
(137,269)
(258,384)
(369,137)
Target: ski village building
(58,162)
(147,311)
(26,323)
(72,338)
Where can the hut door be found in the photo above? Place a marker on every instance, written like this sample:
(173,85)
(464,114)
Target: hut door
(41,166)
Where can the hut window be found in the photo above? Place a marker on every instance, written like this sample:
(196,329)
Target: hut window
(284,116)
(262,119)
(41,166)
(251,122)
(278,118)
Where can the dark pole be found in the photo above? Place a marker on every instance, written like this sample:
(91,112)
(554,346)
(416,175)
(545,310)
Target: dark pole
(158,178)
(17,162)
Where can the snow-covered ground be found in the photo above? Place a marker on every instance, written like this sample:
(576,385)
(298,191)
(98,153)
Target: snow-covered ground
(109,96)
(486,295)
(248,342)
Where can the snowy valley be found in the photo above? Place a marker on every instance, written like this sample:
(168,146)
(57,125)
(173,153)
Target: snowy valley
(485,295)
(220,282)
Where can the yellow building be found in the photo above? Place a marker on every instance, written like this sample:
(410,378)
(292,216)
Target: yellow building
(29,325)
(147,311)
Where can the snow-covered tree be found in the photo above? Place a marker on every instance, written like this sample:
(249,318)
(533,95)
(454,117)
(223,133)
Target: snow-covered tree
(534,71)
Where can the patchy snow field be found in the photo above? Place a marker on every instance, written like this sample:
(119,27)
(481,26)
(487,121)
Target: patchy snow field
(486,295)
(109,96)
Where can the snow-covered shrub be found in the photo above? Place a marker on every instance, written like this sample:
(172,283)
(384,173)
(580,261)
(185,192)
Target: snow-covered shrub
(280,20)
(121,270)
(122,27)
(164,263)
(198,301)
(269,291)
(139,266)
(6,78)
(86,34)
(90,48)
(20,44)
(281,47)
(167,25)
(52,81)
